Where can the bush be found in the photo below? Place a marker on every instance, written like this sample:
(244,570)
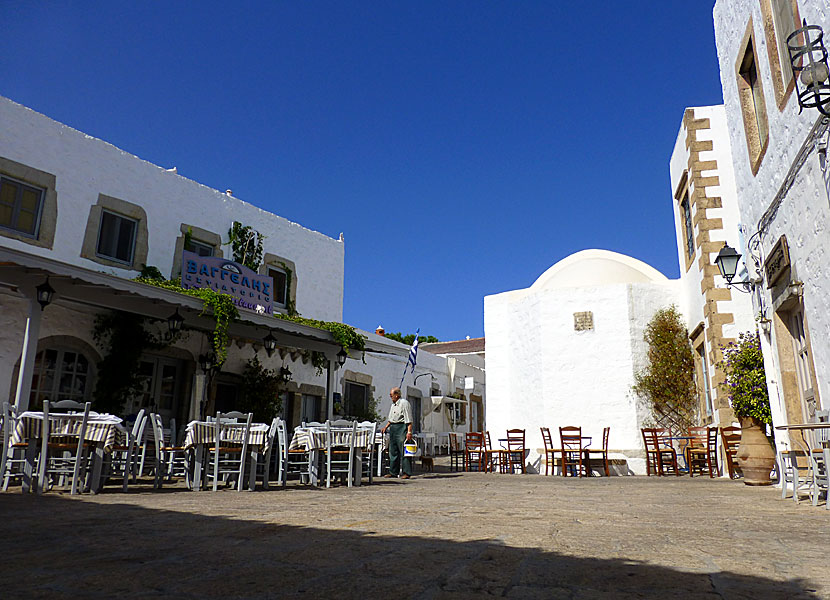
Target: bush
(746,381)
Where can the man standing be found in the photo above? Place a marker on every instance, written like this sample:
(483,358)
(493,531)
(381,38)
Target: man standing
(400,429)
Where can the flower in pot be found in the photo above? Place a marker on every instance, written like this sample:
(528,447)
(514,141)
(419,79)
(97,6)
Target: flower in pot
(746,384)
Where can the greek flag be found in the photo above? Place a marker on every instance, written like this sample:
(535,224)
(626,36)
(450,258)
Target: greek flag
(413,356)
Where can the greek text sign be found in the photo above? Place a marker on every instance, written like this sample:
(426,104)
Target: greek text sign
(248,289)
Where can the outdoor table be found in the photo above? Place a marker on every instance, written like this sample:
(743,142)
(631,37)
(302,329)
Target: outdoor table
(200,434)
(313,439)
(426,442)
(103,431)
(684,442)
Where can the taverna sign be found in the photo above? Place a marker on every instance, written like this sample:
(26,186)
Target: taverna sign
(249,289)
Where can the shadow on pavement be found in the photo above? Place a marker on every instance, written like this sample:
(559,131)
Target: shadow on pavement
(59,547)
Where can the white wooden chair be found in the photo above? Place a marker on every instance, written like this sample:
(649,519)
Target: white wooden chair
(298,460)
(13,456)
(123,458)
(229,454)
(368,458)
(66,406)
(280,457)
(791,474)
(340,456)
(167,457)
(63,450)
(263,467)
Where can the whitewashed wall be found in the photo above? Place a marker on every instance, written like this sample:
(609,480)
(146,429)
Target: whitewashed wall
(693,301)
(541,372)
(804,215)
(86,167)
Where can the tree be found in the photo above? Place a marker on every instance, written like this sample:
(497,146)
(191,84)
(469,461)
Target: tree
(408,339)
(668,381)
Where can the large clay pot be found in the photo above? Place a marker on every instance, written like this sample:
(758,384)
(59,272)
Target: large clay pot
(755,454)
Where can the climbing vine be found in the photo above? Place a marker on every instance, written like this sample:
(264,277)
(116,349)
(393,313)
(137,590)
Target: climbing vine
(345,335)
(122,338)
(246,244)
(221,308)
(290,306)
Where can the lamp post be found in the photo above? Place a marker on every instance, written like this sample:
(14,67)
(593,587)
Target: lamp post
(727,262)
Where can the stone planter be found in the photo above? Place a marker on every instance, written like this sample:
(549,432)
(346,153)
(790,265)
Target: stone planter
(755,454)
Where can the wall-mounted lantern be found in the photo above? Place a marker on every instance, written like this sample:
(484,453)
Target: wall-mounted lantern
(270,343)
(809,63)
(174,323)
(341,357)
(727,262)
(44,294)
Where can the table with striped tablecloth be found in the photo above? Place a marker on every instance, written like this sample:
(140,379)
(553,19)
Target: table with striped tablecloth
(204,432)
(101,428)
(200,434)
(314,438)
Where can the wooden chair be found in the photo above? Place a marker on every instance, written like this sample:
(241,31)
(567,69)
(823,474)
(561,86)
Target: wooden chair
(652,454)
(367,466)
(66,406)
(63,451)
(170,459)
(667,455)
(550,451)
(340,456)
(13,457)
(263,467)
(298,460)
(571,439)
(122,459)
(515,454)
(601,452)
(731,438)
(493,458)
(474,451)
(457,454)
(697,451)
(229,455)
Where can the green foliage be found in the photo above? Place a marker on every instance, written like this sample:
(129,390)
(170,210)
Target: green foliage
(345,335)
(408,339)
(290,306)
(123,338)
(261,389)
(746,382)
(221,308)
(246,244)
(151,272)
(370,414)
(668,382)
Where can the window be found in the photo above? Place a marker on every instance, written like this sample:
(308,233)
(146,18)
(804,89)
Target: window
(20,206)
(59,375)
(199,248)
(116,237)
(780,18)
(355,399)
(688,226)
(704,366)
(751,97)
(310,409)
(280,286)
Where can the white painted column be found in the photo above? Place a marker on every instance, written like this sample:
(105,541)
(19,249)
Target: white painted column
(27,355)
(330,380)
(196,396)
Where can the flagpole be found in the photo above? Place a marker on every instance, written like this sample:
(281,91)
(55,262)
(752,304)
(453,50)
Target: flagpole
(413,358)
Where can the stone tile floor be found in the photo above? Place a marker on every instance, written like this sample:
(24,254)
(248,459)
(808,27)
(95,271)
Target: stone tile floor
(442,535)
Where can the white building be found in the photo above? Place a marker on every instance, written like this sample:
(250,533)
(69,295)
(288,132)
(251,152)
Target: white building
(565,350)
(706,216)
(782,188)
(89,216)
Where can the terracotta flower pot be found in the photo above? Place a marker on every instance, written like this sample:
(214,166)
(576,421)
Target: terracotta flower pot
(755,455)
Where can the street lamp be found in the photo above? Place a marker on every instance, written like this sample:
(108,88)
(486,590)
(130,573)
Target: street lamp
(270,343)
(727,262)
(207,362)
(809,64)
(45,293)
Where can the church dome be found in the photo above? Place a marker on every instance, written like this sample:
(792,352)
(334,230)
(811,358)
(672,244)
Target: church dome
(589,268)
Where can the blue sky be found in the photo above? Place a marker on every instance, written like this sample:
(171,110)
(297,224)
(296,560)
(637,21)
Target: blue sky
(461,147)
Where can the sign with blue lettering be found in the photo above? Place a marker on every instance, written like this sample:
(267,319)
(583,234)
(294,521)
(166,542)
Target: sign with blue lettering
(248,289)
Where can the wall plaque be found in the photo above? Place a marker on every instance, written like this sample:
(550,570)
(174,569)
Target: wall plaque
(778,261)
(249,289)
(583,321)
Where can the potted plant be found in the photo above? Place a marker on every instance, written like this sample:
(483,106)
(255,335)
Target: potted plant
(743,365)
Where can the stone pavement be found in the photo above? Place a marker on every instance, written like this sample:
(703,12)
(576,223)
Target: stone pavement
(443,535)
